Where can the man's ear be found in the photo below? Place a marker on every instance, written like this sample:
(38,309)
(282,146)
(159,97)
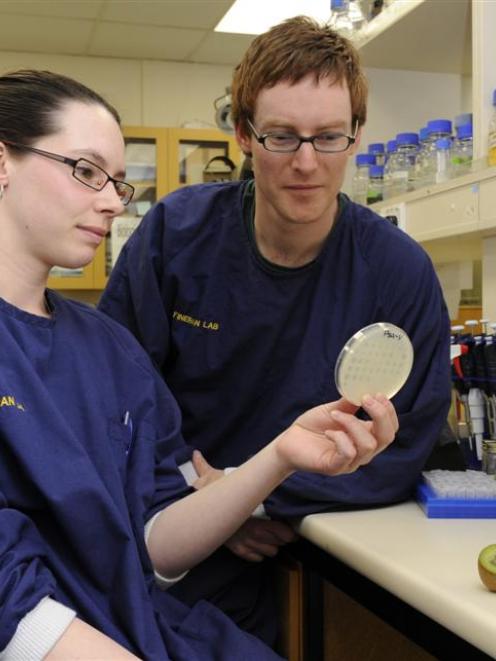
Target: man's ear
(356,145)
(244,141)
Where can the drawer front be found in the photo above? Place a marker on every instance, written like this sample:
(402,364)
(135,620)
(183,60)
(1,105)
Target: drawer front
(446,213)
(487,204)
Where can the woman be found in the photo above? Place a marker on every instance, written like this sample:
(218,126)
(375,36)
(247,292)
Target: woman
(94,513)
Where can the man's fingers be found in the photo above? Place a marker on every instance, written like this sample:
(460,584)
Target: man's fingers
(253,550)
(200,464)
(275,532)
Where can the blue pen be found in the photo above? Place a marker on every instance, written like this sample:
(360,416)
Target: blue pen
(128,422)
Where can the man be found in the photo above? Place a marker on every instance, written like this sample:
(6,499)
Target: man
(244,293)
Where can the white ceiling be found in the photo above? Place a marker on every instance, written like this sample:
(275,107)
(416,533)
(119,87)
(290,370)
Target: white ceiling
(177,30)
(182,31)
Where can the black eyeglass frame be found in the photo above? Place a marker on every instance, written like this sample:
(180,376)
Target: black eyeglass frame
(262,138)
(74,162)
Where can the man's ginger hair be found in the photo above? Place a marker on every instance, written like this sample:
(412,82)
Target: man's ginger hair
(289,52)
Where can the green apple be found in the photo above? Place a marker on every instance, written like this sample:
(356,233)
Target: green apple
(487,566)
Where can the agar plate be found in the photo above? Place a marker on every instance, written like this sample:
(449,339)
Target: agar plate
(376,359)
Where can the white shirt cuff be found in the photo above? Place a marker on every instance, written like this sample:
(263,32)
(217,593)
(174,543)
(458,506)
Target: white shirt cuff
(163,582)
(38,631)
(188,472)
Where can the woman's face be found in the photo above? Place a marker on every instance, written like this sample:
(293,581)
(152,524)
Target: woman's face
(51,218)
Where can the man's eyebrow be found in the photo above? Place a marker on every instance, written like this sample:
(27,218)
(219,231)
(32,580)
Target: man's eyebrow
(286,125)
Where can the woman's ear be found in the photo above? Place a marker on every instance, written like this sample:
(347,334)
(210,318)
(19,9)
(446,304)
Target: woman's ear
(3,164)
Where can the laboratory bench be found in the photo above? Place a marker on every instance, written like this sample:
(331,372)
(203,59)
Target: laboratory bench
(416,574)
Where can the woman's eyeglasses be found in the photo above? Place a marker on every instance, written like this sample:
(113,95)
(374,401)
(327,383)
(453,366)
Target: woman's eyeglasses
(84,171)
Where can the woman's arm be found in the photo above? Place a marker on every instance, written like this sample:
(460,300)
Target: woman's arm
(81,641)
(328,439)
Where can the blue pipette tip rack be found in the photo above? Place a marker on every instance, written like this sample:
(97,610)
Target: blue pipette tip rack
(453,507)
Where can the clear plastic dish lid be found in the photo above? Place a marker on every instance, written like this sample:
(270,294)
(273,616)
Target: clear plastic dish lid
(376,359)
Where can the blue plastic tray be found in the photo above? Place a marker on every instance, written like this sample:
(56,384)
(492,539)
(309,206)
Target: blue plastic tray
(453,508)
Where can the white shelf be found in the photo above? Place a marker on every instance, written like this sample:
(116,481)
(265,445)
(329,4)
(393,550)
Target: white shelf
(419,35)
(458,207)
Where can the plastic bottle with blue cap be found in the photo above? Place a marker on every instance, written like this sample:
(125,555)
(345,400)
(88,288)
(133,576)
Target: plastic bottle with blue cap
(391,147)
(436,129)
(402,169)
(360,182)
(377,149)
(462,153)
(356,14)
(375,190)
(340,18)
(442,160)
(462,119)
(421,162)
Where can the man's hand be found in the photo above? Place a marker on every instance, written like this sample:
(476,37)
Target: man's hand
(206,472)
(260,538)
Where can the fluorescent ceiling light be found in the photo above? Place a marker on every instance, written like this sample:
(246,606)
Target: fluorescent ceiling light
(257,16)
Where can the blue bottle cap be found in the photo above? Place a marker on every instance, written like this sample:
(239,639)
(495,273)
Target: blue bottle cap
(376,171)
(365,159)
(391,146)
(439,126)
(464,118)
(407,139)
(376,148)
(337,4)
(464,131)
(443,143)
(423,133)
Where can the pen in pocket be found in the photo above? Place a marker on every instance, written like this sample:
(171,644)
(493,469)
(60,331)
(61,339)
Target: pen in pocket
(128,422)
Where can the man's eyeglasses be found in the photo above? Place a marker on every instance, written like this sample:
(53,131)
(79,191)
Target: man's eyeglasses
(283,142)
(85,172)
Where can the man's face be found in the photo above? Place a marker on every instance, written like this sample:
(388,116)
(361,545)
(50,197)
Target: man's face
(299,187)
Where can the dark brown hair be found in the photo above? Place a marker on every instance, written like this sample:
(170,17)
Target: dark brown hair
(29,100)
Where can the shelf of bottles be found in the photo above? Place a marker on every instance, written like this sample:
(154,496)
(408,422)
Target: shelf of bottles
(362,20)
(440,151)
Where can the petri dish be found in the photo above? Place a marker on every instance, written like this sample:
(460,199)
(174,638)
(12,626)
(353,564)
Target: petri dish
(378,358)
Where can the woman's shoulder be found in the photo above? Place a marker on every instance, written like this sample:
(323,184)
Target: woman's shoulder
(84,320)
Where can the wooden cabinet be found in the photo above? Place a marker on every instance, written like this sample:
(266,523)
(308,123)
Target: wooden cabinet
(158,160)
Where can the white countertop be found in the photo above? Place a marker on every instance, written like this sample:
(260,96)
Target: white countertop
(430,564)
